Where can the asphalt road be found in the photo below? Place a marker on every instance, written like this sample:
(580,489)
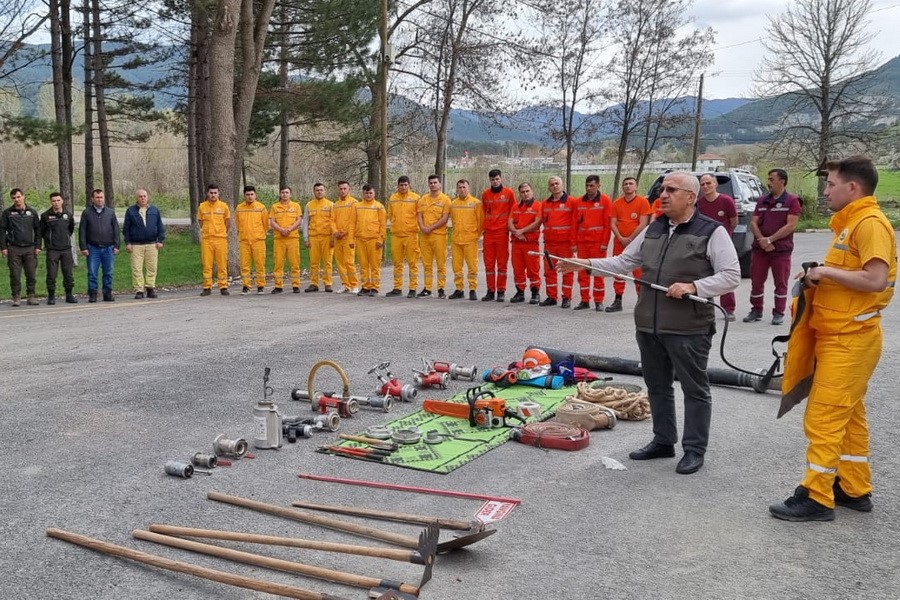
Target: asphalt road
(95,398)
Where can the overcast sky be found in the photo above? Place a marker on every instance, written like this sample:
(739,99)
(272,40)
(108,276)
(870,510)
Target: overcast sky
(741,23)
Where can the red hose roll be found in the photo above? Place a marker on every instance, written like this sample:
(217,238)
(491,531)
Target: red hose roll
(558,436)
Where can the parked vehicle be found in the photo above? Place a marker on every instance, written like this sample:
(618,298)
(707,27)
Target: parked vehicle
(746,188)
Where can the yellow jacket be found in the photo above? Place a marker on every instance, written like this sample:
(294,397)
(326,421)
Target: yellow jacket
(432,209)
(403,212)
(467,215)
(285,216)
(371,221)
(344,215)
(318,220)
(212,217)
(252,221)
(861,233)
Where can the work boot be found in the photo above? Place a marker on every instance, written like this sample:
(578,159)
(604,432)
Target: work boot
(598,307)
(277,290)
(518,297)
(245,290)
(566,303)
(489,297)
(411,294)
(139,295)
(441,293)
(295,289)
(108,296)
(425,293)
(312,288)
(548,302)
(535,296)
(473,296)
(777,319)
(32,301)
(842,498)
(800,507)
(205,292)
(151,292)
(92,295)
(730,317)
(328,289)
(15,301)
(583,305)
(373,292)
(616,306)
(753,316)
(51,299)
(456,295)
(224,291)
(501,296)
(70,297)
(394,292)
(363,292)
(260,290)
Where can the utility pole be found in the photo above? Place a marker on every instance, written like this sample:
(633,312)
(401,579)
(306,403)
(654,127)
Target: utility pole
(385,67)
(697,125)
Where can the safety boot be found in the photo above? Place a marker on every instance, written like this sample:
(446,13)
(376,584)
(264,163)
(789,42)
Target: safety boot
(51,299)
(70,297)
(224,291)
(311,288)
(842,498)
(108,296)
(753,316)
(548,302)
(260,290)
(473,296)
(583,305)
(245,290)
(489,297)
(501,296)
(441,293)
(205,292)
(800,507)
(139,295)
(425,293)
(535,296)
(616,305)
(92,295)
(394,292)
(15,301)
(566,303)
(518,297)
(151,292)
(456,295)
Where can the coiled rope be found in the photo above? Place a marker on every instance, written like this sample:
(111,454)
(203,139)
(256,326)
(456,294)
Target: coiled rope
(628,406)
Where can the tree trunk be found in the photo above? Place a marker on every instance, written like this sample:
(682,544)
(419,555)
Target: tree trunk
(100,94)
(88,106)
(62,111)
(196,105)
(284,150)
(373,143)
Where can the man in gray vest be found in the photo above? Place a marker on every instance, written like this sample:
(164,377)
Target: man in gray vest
(688,254)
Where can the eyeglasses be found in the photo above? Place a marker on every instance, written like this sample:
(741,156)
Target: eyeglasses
(670,189)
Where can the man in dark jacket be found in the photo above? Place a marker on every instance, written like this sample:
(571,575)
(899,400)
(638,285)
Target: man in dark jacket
(144,233)
(98,239)
(56,230)
(20,243)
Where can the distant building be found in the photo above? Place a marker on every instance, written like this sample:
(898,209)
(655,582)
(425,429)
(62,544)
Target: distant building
(710,162)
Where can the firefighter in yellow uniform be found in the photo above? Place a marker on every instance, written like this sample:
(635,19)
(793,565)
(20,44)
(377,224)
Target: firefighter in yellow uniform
(285,218)
(433,212)
(402,211)
(318,231)
(253,225)
(843,344)
(467,216)
(344,212)
(371,229)
(214,217)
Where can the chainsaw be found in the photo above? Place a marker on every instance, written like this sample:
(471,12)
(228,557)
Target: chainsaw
(483,409)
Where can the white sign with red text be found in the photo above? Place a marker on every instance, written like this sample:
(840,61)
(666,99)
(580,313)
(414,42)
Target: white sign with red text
(493,511)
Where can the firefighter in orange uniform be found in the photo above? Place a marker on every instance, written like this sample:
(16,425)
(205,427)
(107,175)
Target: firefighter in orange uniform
(496,202)
(525,231)
(253,225)
(592,238)
(371,229)
(214,217)
(558,219)
(468,222)
(285,218)
(433,213)
(630,215)
(318,231)
(402,212)
(842,341)
(344,214)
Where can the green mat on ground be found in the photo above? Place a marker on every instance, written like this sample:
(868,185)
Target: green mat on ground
(462,443)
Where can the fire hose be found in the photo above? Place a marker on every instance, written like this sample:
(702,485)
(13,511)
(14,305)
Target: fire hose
(558,436)
(763,376)
(586,415)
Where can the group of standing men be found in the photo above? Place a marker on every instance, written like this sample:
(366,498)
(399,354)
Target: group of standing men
(24,233)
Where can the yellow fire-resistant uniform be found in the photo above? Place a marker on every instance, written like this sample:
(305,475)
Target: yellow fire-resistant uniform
(286,215)
(467,215)
(843,333)
(344,214)
(371,229)
(253,224)
(213,217)
(433,246)
(318,227)
(402,209)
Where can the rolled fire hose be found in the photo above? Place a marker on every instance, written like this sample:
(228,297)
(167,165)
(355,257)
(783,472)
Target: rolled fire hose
(558,436)
(587,415)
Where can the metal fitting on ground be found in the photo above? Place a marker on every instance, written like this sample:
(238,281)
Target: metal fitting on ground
(236,448)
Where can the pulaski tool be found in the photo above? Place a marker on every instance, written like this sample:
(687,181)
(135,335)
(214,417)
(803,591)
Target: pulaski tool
(482,409)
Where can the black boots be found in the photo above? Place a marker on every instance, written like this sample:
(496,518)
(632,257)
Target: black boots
(108,296)
(70,297)
(51,297)
(535,295)
(518,297)
(616,306)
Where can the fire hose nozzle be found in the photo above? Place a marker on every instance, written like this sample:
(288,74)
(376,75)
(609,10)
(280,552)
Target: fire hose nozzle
(385,403)
(456,371)
(223,446)
(421,379)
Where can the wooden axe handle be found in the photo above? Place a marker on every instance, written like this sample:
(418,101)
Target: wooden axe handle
(305,517)
(273,540)
(187,568)
(389,516)
(268,562)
